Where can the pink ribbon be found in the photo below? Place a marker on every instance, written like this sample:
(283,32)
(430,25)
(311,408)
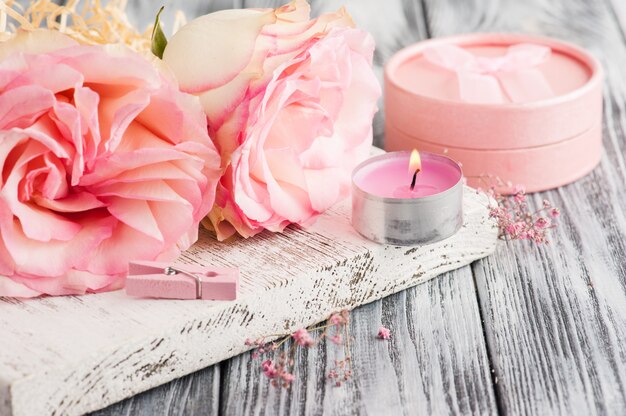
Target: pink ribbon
(484,80)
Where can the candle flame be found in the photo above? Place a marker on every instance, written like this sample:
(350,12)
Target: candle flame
(415,163)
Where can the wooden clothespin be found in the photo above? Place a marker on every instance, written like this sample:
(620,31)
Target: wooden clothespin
(148,279)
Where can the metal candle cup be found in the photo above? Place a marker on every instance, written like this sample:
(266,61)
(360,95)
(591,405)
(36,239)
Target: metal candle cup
(386,211)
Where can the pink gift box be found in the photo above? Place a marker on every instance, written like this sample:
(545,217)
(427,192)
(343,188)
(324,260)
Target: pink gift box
(525,109)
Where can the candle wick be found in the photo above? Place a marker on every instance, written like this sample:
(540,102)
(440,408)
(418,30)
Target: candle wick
(414,179)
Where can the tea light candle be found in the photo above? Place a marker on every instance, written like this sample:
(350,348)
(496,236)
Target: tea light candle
(404,198)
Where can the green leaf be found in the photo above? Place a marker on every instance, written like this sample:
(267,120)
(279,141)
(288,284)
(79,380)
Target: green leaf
(159,41)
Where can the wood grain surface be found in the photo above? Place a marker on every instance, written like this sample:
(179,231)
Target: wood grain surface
(530,330)
(551,320)
(555,315)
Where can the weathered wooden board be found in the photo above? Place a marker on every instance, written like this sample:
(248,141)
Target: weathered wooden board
(65,356)
(555,316)
(556,343)
(197,394)
(435,364)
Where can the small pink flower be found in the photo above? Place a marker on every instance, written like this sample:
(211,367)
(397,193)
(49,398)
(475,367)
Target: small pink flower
(288,377)
(336,339)
(336,319)
(494,212)
(384,333)
(514,228)
(269,369)
(519,198)
(303,338)
(516,221)
(541,222)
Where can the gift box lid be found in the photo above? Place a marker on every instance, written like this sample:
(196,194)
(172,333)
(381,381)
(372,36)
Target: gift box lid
(493,91)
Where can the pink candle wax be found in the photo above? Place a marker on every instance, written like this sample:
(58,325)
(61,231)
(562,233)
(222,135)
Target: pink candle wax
(391,178)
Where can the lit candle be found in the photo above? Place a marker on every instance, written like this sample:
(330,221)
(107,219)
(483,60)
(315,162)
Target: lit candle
(404,198)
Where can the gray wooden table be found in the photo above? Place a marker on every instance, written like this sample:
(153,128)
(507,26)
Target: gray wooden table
(530,330)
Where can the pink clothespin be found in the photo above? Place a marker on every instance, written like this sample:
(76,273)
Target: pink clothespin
(148,279)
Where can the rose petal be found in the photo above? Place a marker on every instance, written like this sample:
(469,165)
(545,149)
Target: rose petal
(20,107)
(157,190)
(223,41)
(71,283)
(116,115)
(86,102)
(13,289)
(118,163)
(53,257)
(7,265)
(11,68)
(324,187)
(48,73)
(220,102)
(170,225)
(284,166)
(111,68)
(80,202)
(16,150)
(36,41)
(288,40)
(126,244)
(45,132)
(151,172)
(165,116)
(36,223)
(136,214)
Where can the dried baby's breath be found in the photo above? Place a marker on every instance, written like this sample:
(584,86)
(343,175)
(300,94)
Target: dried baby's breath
(88,21)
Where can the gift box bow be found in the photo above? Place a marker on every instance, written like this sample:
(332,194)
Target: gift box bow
(513,77)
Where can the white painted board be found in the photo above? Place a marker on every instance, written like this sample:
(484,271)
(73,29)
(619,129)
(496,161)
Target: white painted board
(71,355)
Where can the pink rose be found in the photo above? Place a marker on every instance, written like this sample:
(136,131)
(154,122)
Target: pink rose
(103,161)
(289,102)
